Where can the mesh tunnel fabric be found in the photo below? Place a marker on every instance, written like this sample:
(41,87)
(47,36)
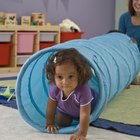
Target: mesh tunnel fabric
(114,58)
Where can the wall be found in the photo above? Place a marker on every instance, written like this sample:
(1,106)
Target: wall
(94,17)
(121,7)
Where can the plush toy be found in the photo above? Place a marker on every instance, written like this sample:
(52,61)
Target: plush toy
(69,26)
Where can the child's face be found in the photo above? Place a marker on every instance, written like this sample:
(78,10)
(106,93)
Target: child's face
(66,77)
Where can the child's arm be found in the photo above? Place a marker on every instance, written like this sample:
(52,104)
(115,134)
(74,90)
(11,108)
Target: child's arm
(50,115)
(84,123)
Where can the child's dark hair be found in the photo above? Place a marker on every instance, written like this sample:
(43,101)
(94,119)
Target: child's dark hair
(114,31)
(69,55)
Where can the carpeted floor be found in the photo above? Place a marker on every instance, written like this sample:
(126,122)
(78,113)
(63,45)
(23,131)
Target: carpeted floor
(12,127)
(121,114)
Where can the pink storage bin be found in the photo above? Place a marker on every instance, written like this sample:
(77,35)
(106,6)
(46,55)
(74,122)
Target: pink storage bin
(25,42)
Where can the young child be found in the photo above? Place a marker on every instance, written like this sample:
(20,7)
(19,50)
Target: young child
(70,97)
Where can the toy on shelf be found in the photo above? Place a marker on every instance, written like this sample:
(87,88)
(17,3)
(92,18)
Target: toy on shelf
(10,19)
(38,19)
(26,20)
(1,18)
(68,25)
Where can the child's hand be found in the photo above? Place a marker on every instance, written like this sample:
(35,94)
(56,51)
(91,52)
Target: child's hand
(52,128)
(77,137)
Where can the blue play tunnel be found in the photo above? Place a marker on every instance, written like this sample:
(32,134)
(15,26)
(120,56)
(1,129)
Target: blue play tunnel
(114,60)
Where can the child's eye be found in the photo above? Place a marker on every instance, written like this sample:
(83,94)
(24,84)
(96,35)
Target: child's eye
(60,77)
(71,76)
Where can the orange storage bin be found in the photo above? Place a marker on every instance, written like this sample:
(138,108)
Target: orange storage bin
(25,42)
(44,45)
(66,36)
(5,53)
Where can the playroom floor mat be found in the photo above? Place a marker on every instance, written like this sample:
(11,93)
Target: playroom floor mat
(125,107)
(10,83)
(122,114)
(7,92)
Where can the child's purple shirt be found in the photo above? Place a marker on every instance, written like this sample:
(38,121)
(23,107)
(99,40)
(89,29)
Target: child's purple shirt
(81,96)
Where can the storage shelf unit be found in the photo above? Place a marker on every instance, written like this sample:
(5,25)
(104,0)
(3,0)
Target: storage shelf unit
(43,34)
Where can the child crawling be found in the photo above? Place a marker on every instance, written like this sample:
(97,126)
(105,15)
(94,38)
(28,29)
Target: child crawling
(70,96)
